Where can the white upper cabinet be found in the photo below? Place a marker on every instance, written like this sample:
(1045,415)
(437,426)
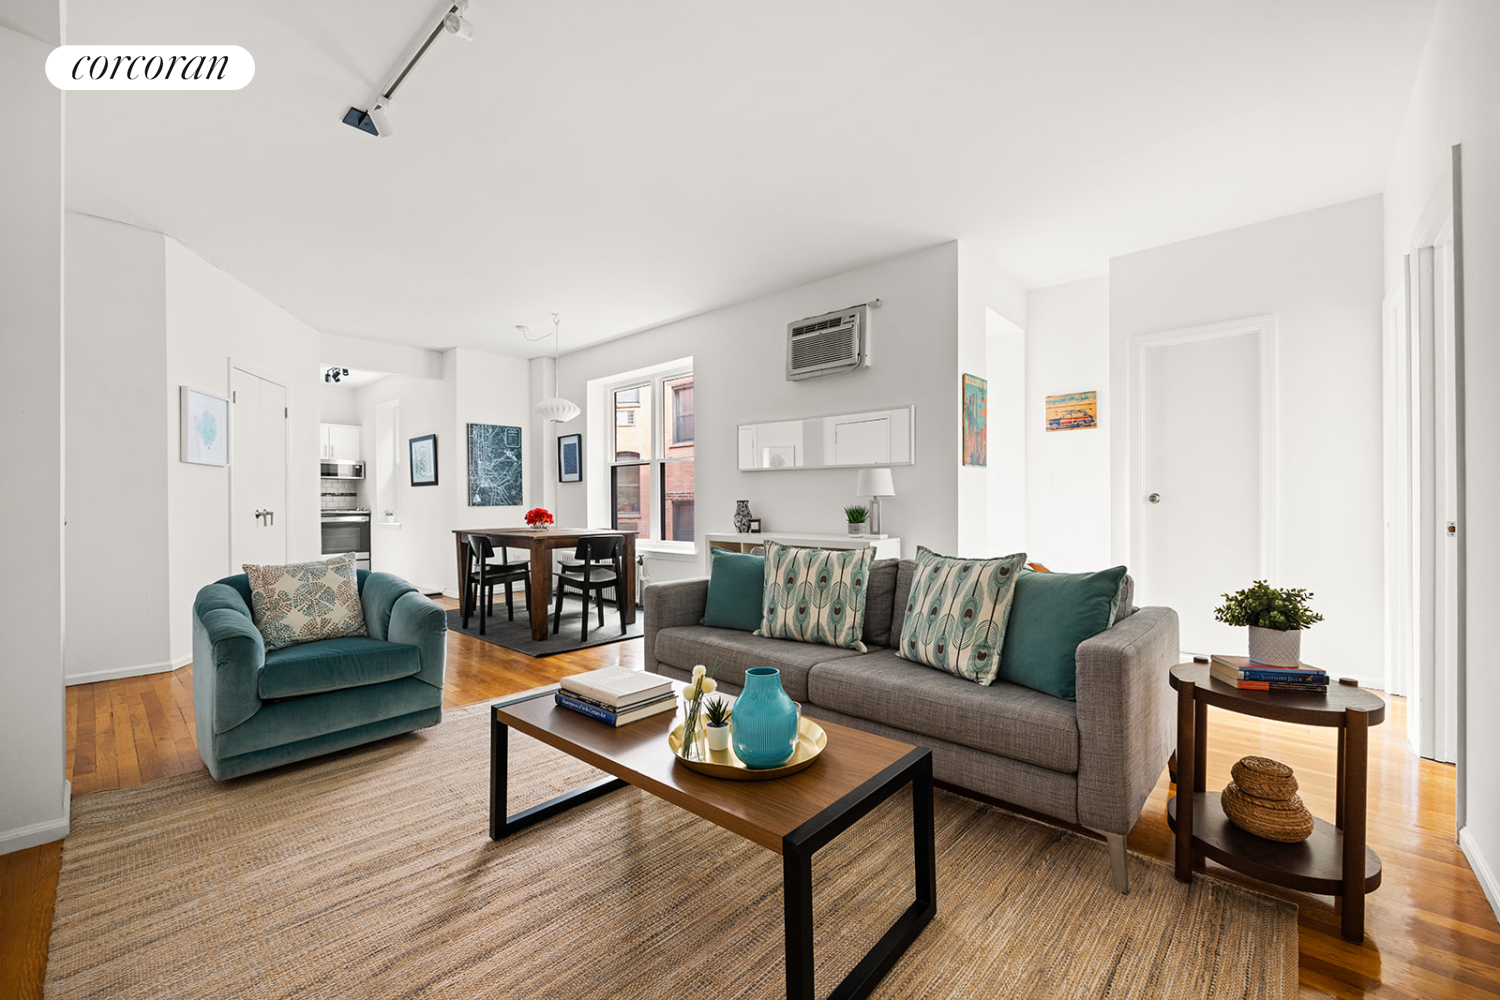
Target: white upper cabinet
(339,442)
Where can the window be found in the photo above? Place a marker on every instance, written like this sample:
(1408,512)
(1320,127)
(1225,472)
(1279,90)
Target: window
(651,457)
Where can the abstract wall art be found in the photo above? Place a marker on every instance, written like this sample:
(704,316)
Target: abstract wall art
(976,418)
(205,428)
(570,458)
(1073,411)
(494,465)
(423,454)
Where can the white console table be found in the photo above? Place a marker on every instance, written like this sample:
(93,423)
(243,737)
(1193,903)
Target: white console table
(888,547)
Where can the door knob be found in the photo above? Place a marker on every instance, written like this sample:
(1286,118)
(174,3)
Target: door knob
(1154,498)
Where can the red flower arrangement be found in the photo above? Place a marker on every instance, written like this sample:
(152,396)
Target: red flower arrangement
(538,517)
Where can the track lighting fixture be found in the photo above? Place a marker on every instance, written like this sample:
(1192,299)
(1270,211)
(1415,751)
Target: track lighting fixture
(376,120)
(334,374)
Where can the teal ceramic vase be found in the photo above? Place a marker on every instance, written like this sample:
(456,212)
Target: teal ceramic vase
(763,725)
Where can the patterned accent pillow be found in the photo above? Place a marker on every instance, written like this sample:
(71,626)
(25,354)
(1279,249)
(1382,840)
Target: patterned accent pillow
(305,602)
(956,614)
(815,595)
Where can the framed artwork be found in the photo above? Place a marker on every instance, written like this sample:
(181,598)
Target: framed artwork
(570,458)
(205,428)
(422,452)
(755,526)
(494,465)
(1073,411)
(976,418)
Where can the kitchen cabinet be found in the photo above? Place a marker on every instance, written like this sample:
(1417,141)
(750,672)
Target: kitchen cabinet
(339,442)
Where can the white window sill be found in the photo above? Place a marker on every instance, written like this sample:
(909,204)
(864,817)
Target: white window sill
(386,524)
(679,551)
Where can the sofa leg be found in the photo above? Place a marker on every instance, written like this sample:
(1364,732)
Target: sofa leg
(1116,844)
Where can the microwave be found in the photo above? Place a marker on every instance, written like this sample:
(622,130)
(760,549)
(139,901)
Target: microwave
(343,470)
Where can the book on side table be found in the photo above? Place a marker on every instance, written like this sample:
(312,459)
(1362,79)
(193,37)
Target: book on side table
(1246,674)
(616,695)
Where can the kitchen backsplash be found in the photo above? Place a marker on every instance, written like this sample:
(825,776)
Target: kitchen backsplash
(340,494)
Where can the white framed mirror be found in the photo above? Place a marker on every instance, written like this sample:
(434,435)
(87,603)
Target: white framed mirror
(844,440)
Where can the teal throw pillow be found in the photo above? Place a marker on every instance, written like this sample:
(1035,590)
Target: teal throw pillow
(956,614)
(735,582)
(1053,613)
(816,595)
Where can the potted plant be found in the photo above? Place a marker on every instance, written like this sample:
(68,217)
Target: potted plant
(856,516)
(1276,617)
(718,724)
(390,515)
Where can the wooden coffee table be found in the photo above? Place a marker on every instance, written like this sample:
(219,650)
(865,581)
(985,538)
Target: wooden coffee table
(794,816)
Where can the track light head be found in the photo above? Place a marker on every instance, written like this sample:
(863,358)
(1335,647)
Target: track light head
(456,24)
(376,121)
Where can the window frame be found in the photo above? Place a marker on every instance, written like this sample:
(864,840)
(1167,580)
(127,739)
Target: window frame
(659,411)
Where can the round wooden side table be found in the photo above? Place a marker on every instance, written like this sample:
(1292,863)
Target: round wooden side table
(1335,860)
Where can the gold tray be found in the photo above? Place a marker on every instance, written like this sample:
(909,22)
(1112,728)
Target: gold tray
(724,764)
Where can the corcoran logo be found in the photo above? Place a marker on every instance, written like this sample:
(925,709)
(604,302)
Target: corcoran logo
(150,67)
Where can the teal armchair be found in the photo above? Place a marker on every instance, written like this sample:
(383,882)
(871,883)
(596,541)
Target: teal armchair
(255,709)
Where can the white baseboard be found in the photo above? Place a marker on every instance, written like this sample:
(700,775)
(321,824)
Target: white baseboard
(115,673)
(1482,869)
(44,832)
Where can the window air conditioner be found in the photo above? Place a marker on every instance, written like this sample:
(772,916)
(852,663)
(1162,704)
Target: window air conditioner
(828,344)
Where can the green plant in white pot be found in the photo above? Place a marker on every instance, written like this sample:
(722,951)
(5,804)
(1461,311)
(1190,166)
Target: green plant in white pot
(1276,617)
(856,516)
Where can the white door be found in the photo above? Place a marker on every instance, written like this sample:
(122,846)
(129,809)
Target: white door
(1197,524)
(257,470)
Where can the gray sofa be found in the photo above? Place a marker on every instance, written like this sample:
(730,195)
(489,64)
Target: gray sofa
(1092,762)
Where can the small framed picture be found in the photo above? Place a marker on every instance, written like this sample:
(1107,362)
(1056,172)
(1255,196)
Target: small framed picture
(422,452)
(570,458)
(755,526)
(205,428)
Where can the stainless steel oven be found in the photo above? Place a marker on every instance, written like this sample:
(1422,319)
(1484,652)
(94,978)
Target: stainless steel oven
(347,531)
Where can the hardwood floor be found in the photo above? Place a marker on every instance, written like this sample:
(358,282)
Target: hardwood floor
(1430,933)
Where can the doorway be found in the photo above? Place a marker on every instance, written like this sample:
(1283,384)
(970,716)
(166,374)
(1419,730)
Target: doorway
(1202,455)
(257,470)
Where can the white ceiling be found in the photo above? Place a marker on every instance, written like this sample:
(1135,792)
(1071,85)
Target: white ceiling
(629,163)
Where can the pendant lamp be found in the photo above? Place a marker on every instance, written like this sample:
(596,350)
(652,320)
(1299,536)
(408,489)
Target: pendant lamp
(555,407)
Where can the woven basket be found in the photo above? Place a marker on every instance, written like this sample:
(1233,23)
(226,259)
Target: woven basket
(1264,778)
(1284,820)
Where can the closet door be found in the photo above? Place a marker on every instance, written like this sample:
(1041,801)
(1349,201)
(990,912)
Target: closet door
(257,470)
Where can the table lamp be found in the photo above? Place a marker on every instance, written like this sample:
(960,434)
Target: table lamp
(875,483)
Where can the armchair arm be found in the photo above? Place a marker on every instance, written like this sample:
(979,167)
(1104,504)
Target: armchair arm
(417,621)
(1126,713)
(672,604)
(228,654)
(378,598)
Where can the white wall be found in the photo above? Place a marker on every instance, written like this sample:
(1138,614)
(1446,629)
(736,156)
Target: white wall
(1319,273)
(1067,472)
(116,360)
(1454,100)
(739,357)
(213,319)
(991,313)
(337,404)
(33,786)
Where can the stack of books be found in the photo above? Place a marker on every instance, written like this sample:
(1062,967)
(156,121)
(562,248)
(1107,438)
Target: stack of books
(616,695)
(1242,672)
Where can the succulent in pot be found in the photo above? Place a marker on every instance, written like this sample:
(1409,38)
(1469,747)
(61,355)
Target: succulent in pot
(856,515)
(717,712)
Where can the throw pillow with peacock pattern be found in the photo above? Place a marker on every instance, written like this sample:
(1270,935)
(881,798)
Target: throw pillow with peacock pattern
(956,615)
(304,602)
(815,595)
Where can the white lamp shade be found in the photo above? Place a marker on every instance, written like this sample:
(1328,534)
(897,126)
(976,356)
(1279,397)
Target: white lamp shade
(561,410)
(875,483)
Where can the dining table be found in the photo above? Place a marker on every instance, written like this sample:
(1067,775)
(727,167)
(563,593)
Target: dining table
(540,542)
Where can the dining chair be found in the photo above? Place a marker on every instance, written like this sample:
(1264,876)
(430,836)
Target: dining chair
(599,570)
(485,576)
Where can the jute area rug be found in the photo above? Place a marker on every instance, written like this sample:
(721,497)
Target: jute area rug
(370,874)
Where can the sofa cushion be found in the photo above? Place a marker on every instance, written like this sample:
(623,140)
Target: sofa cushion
(1052,613)
(880,602)
(306,601)
(335,664)
(736,652)
(1002,718)
(957,611)
(735,583)
(815,595)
